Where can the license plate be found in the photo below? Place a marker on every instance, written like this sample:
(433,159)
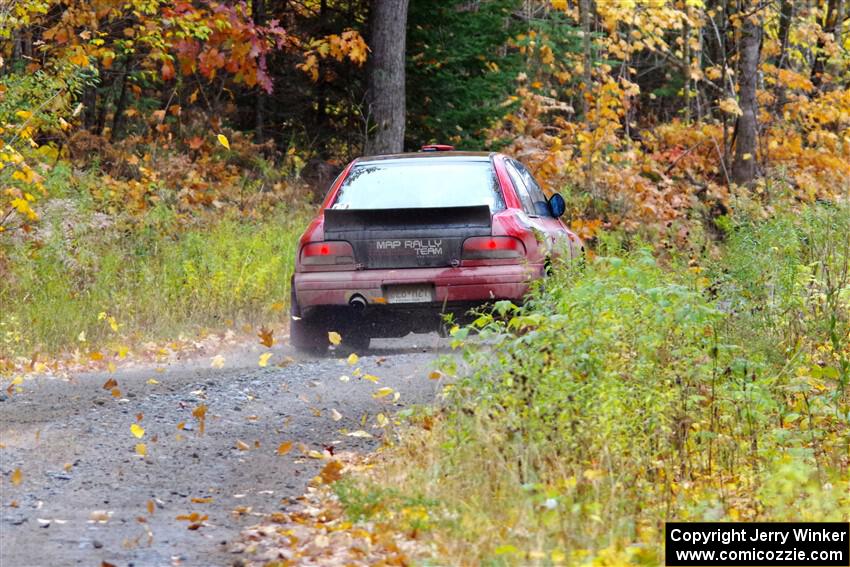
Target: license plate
(418,293)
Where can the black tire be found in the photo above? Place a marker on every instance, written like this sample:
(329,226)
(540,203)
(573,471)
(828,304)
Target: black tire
(305,334)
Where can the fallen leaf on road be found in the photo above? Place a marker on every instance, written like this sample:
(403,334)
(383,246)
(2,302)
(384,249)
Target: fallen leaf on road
(335,415)
(200,413)
(17,477)
(217,361)
(195,520)
(435,375)
(344,378)
(153,382)
(206,500)
(109,384)
(141,449)
(264,359)
(116,393)
(284,448)
(331,472)
(370,378)
(359,433)
(334,338)
(382,420)
(382,393)
(137,430)
(241,445)
(150,507)
(99,516)
(352,359)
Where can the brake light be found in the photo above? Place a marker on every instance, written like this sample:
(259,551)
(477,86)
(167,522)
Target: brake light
(330,253)
(437,148)
(492,248)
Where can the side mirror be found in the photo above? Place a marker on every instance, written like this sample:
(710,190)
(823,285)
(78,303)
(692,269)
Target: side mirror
(557,205)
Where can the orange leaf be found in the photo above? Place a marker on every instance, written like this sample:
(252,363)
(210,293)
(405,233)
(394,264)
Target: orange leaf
(332,472)
(17,477)
(109,384)
(266,337)
(284,448)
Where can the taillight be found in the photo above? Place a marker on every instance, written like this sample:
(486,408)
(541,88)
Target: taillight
(330,253)
(492,248)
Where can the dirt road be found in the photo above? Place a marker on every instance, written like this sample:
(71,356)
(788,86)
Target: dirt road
(84,492)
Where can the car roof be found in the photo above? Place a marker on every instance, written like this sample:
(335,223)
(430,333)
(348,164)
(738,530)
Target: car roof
(441,156)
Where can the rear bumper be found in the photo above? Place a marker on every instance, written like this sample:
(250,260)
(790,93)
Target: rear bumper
(451,285)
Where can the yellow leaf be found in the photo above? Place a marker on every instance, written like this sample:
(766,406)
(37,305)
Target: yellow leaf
(334,338)
(435,375)
(217,361)
(352,359)
(284,448)
(137,430)
(359,433)
(113,324)
(202,500)
(382,393)
(141,449)
(95,356)
(264,359)
(382,420)
(152,382)
(222,139)
(17,477)
(370,378)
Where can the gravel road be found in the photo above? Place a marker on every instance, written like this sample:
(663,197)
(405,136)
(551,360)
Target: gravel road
(84,493)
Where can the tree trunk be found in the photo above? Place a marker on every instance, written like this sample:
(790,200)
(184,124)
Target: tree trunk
(118,117)
(386,92)
(786,14)
(828,26)
(744,167)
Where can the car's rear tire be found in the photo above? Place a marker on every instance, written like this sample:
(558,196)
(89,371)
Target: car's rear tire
(305,334)
(307,337)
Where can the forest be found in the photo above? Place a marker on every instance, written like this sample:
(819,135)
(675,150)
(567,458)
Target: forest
(159,158)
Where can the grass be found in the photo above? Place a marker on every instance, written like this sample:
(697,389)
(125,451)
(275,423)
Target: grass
(630,393)
(107,279)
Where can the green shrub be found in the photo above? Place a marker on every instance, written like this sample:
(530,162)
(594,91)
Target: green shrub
(156,280)
(624,394)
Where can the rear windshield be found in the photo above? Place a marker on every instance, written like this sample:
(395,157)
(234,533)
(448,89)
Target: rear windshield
(406,185)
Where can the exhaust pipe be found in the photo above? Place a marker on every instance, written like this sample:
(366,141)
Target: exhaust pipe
(358,303)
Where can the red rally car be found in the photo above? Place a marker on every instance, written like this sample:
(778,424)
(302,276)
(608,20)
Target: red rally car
(402,239)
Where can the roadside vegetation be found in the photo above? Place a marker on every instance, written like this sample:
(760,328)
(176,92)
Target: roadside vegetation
(630,391)
(158,160)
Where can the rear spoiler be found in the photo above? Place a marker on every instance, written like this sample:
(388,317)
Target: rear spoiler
(348,220)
